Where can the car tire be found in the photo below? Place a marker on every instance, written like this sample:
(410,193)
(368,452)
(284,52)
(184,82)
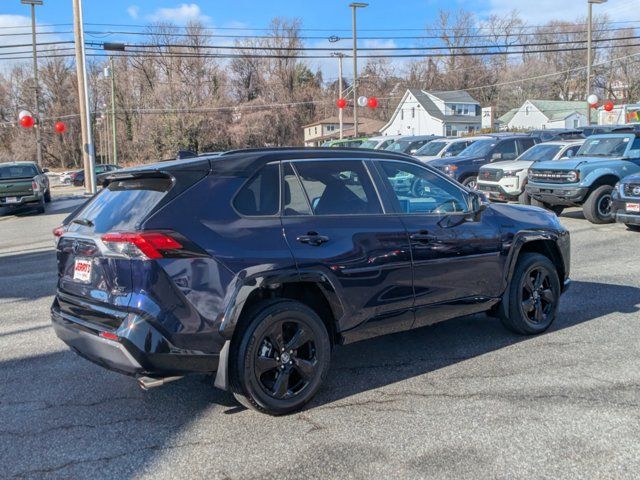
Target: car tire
(633,228)
(471,182)
(557,209)
(524,199)
(267,378)
(597,208)
(532,298)
(47,196)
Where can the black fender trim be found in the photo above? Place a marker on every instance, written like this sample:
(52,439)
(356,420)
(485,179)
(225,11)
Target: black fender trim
(272,280)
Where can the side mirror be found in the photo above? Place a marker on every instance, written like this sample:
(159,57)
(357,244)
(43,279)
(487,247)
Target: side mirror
(479,203)
(45,170)
(413,150)
(496,156)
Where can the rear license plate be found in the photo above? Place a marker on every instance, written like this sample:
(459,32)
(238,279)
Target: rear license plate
(82,270)
(633,207)
(11,199)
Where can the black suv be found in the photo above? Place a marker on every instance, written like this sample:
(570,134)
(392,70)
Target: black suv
(255,263)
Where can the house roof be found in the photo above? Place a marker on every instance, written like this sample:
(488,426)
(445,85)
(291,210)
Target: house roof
(558,109)
(506,118)
(426,102)
(455,96)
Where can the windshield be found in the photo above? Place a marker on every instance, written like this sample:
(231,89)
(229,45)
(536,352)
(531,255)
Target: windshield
(369,144)
(479,148)
(604,147)
(541,152)
(431,149)
(399,146)
(18,171)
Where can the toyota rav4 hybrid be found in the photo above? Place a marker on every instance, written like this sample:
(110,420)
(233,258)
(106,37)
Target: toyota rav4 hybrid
(505,181)
(255,264)
(588,178)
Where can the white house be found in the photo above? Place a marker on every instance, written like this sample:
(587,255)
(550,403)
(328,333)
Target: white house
(434,113)
(541,114)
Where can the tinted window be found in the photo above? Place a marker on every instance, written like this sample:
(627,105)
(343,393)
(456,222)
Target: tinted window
(431,149)
(18,171)
(338,187)
(526,144)
(419,190)
(479,148)
(295,201)
(636,144)
(122,205)
(507,149)
(260,195)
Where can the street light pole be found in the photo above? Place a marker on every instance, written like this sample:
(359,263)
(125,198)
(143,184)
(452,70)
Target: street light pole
(589,59)
(354,6)
(340,89)
(114,47)
(88,150)
(38,126)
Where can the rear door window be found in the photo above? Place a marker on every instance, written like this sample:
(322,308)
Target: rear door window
(339,187)
(260,196)
(121,206)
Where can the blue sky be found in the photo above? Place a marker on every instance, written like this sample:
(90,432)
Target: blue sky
(331,15)
(315,14)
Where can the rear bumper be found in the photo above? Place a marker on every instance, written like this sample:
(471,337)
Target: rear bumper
(621,213)
(557,194)
(21,200)
(139,350)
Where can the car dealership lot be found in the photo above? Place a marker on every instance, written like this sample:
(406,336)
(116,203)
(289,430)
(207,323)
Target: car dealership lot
(461,399)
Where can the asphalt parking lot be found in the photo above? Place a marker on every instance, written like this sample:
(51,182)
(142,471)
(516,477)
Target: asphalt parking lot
(462,399)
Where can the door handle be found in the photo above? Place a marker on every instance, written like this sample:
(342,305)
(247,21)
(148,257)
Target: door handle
(423,237)
(312,238)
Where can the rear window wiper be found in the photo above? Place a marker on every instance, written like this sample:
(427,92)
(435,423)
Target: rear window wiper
(83,221)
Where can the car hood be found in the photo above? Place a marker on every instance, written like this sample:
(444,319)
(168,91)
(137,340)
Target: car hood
(526,217)
(571,164)
(509,165)
(635,178)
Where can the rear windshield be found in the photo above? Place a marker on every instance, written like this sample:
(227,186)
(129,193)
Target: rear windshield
(122,205)
(18,171)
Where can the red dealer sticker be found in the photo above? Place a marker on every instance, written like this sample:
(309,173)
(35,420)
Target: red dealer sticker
(82,270)
(633,207)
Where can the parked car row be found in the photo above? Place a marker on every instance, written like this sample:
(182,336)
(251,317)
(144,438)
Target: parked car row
(599,174)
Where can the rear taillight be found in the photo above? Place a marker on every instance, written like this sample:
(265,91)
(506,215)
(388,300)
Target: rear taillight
(109,336)
(35,186)
(143,245)
(57,233)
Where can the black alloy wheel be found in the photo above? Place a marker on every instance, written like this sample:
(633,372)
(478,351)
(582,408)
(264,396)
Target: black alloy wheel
(279,357)
(286,360)
(537,300)
(530,304)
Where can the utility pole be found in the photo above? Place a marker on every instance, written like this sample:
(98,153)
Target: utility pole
(88,150)
(38,125)
(354,6)
(340,89)
(589,59)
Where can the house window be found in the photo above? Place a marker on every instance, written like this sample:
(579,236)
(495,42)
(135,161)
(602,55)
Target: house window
(413,112)
(575,123)
(401,114)
(316,130)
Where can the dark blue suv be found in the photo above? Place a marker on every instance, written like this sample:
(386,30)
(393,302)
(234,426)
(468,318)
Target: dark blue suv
(254,264)
(489,148)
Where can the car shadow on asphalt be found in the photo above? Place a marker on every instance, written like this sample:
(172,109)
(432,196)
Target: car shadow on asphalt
(59,398)
(29,275)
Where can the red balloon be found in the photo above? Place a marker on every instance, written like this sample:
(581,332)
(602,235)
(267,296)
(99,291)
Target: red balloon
(27,121)
(608,106)
(60,127)
(341,103)
(372,102)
